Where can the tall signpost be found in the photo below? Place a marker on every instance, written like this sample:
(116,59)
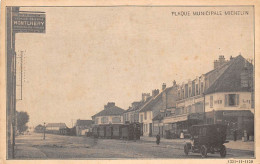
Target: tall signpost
(17,22)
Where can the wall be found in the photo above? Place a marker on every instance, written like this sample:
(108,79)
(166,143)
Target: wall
(171,97)
(109,120)
(132,116)
(146,121)
(52,128)
(244,104)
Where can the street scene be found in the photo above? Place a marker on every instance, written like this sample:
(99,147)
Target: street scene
(125,82)
(70,147)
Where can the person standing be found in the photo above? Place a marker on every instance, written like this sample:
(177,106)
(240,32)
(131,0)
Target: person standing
(158,138)
(235,134)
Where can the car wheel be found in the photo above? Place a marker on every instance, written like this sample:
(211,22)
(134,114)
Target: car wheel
(223,151)
(186,149)
(203,151)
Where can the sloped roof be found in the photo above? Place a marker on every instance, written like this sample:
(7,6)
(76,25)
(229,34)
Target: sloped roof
(230,80)
(139,106)
(112,111)
(218,68)
(60,125)
(154,100)
(158,117)
(83,122)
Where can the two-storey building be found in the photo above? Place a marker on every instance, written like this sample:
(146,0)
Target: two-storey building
(110,115)
(229,100)
(214,95)
(153,111)
(131,115)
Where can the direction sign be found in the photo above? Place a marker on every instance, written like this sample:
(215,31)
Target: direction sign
(28,23)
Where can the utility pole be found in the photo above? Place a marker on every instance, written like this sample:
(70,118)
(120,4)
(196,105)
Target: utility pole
(13,15)
(11,81)
(44,130)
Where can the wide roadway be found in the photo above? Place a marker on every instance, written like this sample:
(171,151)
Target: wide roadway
(72,147)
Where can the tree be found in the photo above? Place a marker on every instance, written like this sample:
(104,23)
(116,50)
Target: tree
(22,120)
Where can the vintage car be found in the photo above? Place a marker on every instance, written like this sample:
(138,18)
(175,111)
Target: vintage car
(207,139)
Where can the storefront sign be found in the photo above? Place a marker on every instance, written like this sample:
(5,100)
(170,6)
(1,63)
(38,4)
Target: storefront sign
(28,23)
(196,116)
(175,119)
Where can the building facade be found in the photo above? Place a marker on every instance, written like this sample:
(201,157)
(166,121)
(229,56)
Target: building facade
(230,99)
(83,126)
(55,127)
(110,115)
(220,95)
(151,113)
(131,115)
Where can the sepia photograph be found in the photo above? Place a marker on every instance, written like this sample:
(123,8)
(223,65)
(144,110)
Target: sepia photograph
(111,82)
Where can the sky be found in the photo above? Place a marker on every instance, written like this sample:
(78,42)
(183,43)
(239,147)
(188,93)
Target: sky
(93,55)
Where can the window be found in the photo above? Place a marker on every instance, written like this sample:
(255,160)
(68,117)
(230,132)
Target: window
(231,99)
(244,79)
(131,118)
(125,117)
(145,115)
(141,119)
(197,89)
(186,91)
(185,110)
(201,87)
(96,121)
(104,120)
(116,119)
(193,89)
(189,109)
(211,101)
(190,92)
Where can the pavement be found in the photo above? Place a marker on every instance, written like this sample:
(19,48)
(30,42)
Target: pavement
(73,147)
(238,145)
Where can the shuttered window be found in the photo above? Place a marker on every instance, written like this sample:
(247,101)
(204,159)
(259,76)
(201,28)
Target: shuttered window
(237,99)
(226,100)
(211,101)
(231,99)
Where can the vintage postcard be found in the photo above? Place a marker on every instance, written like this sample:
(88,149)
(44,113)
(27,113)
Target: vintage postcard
(129,81)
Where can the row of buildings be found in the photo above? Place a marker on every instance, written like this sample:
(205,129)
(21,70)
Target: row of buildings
(223,95)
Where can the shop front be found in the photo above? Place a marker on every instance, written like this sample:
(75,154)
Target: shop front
(178,126)
(238,122)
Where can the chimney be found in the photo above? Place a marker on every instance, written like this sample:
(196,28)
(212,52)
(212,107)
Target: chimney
(109,105)
(145,96)
(163,86)
(221,60)
(155,92)
(174,83)
(231,58)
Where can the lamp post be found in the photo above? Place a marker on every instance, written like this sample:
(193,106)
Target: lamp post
(44,131)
